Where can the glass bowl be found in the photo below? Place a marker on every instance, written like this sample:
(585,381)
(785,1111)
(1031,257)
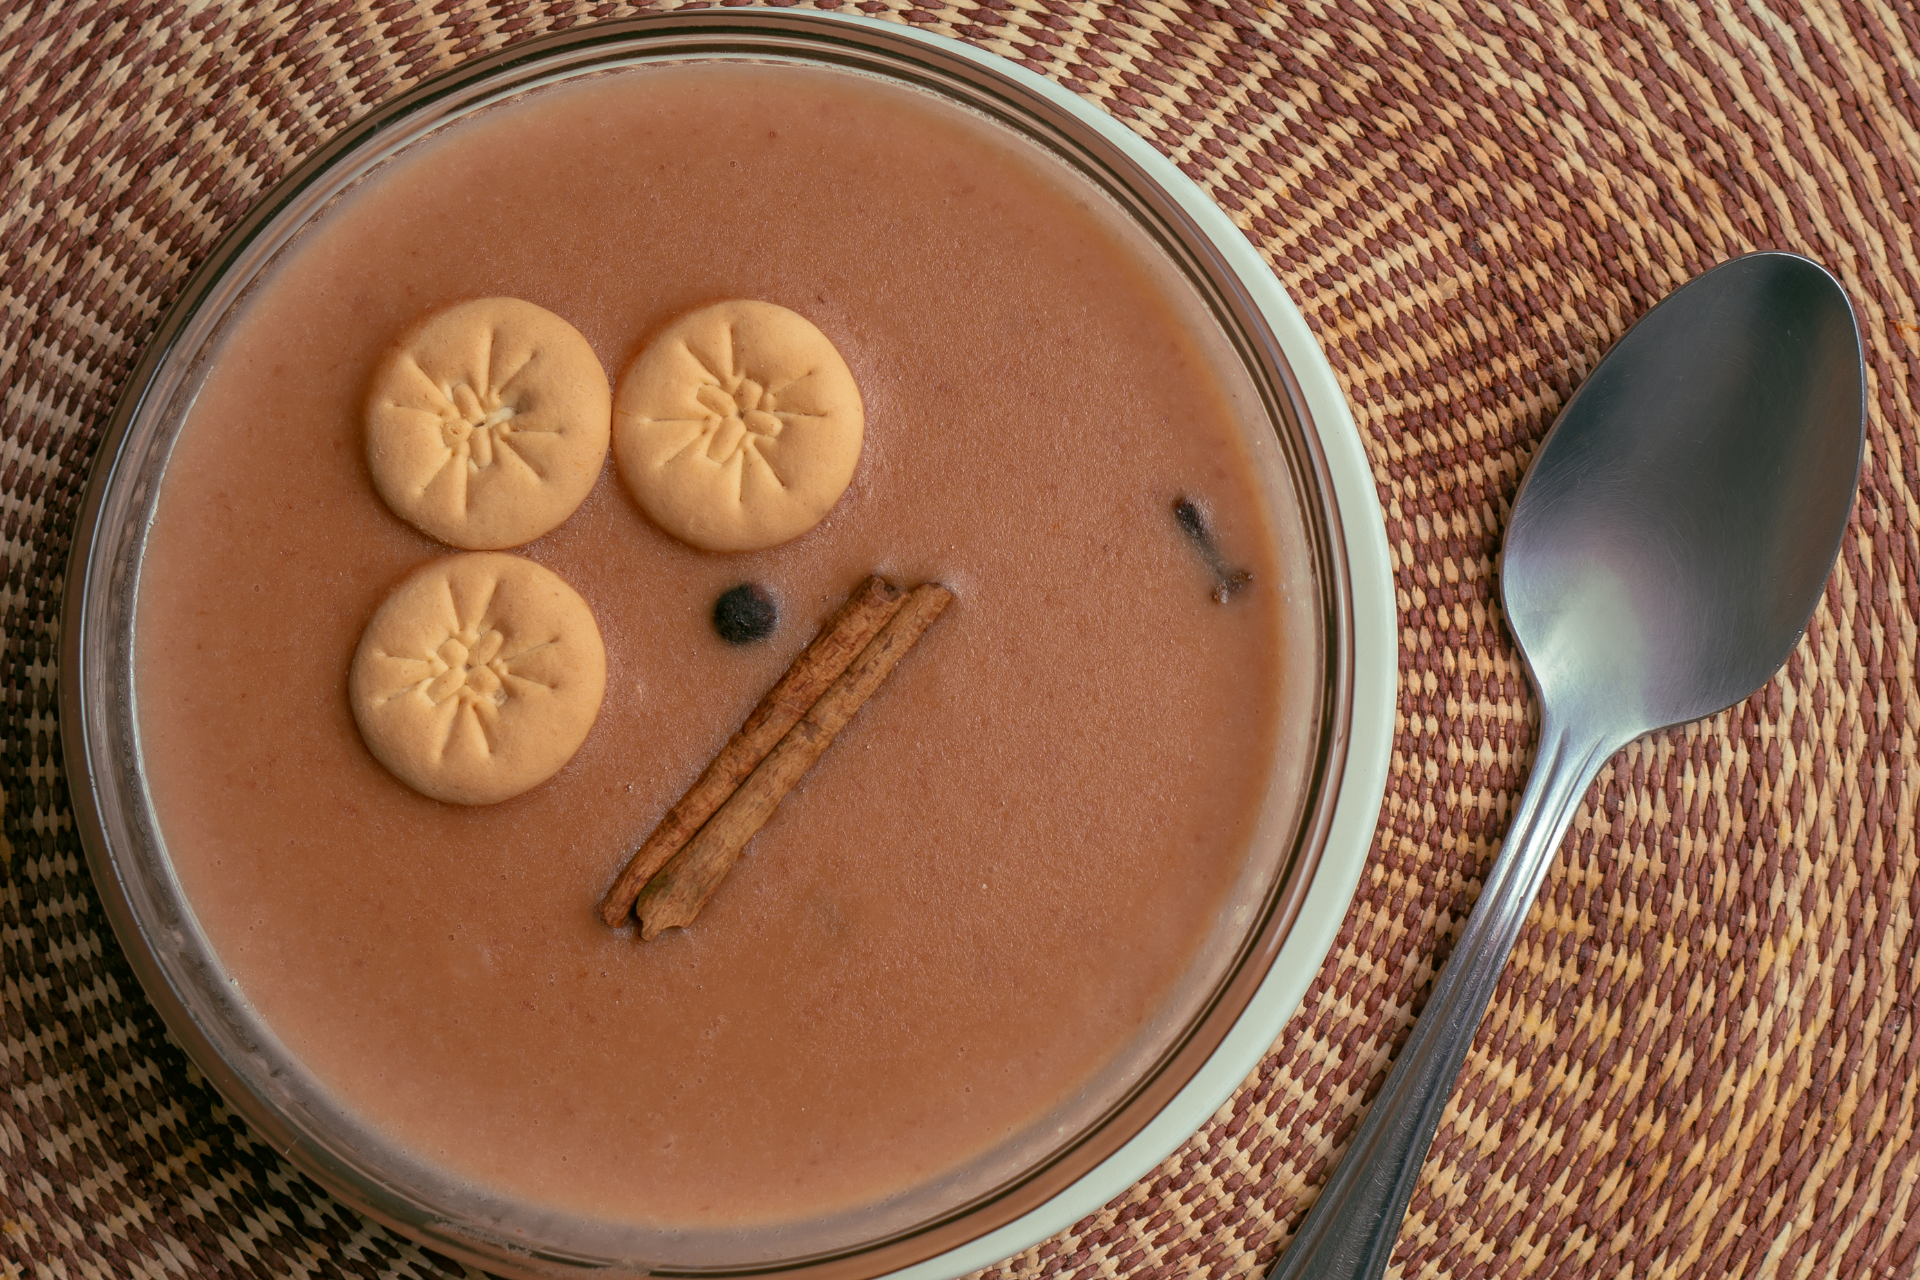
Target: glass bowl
(1226,1010)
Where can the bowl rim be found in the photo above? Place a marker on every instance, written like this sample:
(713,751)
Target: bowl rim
(1269,981)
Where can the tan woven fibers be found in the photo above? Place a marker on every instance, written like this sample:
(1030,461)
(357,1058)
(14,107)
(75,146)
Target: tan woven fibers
(1702,1061)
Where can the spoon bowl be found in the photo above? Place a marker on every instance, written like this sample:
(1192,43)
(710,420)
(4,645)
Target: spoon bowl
(1678,523)
(1666,550)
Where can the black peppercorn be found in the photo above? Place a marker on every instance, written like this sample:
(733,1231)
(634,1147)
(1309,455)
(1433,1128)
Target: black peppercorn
(744,614)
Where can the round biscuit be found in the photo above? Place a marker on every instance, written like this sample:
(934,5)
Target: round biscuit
(487,423)
(478,677)
(738,426)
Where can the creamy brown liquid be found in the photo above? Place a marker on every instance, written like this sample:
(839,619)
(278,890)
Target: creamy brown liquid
(992,878)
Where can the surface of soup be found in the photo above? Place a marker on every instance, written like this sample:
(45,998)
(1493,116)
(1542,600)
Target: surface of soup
(992,882)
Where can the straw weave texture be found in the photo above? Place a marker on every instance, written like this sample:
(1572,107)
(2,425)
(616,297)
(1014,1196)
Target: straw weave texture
(1702,1059)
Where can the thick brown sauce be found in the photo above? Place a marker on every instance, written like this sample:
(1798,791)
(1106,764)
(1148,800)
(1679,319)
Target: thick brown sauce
(991,879)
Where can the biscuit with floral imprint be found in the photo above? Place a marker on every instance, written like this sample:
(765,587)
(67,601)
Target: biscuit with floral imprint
(478,677)
(738,426)
(487,423)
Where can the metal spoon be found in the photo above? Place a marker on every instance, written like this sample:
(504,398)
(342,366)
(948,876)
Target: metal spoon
(1666,550)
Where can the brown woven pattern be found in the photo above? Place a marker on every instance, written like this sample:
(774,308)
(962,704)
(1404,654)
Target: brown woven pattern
(1703,1059)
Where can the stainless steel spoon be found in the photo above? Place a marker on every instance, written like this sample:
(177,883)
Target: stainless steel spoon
(1666,549)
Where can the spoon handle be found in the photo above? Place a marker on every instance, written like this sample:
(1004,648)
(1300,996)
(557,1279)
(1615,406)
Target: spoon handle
(1350,1231)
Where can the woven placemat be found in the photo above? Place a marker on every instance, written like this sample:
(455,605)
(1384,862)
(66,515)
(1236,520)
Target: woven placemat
(1702,1060)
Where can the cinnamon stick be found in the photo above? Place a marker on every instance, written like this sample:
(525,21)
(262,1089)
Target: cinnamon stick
(674,896)
(817,667)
